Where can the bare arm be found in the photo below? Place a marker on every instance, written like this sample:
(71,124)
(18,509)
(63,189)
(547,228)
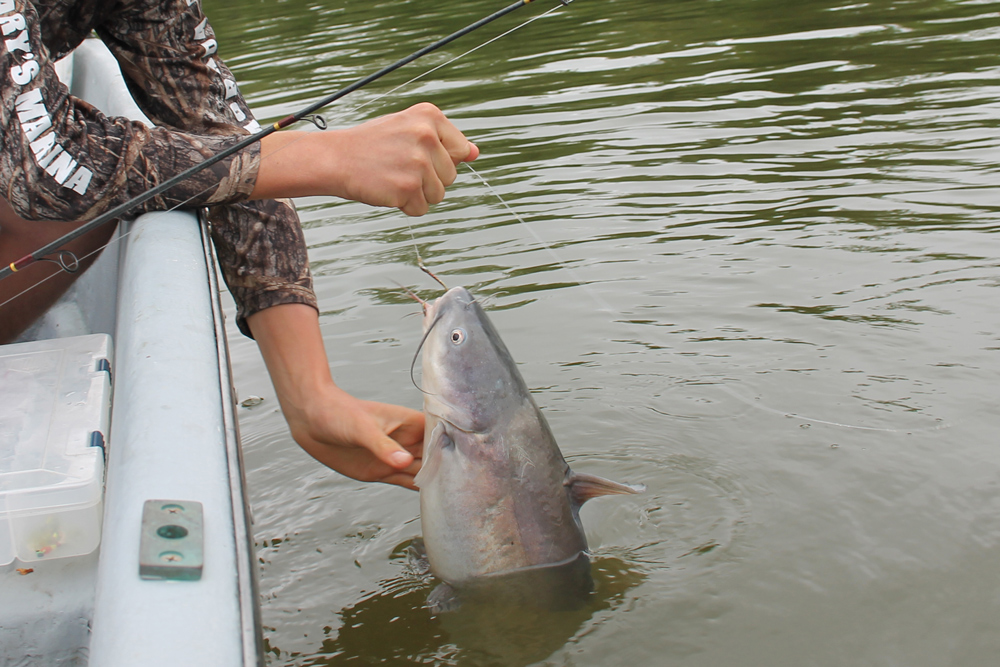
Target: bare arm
(403,160)
(372,442)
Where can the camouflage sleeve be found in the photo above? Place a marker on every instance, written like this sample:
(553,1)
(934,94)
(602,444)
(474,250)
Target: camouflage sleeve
(61,159)
(167,51)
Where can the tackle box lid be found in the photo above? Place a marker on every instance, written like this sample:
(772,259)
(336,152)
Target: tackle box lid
(55,410)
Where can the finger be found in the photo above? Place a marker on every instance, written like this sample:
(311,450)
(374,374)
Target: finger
(410,435)
(415,200)
(473,153)
(386,449)
(459,148)
(409,471)
(444,166)
(398,458)
(400,479)
(415,206)
(433,189)
(404,425)
(414,467)
(392,460)
(439,172)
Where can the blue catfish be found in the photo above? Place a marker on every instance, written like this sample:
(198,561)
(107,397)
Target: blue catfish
(498,502)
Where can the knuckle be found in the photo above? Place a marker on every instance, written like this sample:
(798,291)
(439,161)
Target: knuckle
(426,134)
(420,161)
(427,108)
(409,185)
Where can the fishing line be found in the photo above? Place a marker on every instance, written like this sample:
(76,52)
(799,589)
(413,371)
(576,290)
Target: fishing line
(79,260)
(342,114)
(604,305)
(601,302)
(116,238)
(472,50)
(39,283)
(721,387)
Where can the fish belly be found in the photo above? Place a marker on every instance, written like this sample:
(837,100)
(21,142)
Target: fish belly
(484,515)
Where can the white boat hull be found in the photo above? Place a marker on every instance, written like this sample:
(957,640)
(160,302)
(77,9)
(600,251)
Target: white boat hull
(173,436)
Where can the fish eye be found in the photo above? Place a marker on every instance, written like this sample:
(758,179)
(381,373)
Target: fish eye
(457,336)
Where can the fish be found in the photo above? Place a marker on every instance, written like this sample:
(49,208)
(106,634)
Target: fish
(499,505)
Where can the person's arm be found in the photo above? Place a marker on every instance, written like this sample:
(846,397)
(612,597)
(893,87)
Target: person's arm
(61,159)
(371,442)
(403,160)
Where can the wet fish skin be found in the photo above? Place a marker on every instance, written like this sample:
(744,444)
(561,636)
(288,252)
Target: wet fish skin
(497,498)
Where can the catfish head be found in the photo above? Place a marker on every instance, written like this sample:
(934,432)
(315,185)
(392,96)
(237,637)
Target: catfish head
(469,378)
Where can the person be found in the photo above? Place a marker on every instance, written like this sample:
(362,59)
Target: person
(61,161)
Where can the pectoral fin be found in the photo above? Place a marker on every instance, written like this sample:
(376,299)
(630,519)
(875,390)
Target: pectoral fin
(583,487)
(432,455)
(416,557)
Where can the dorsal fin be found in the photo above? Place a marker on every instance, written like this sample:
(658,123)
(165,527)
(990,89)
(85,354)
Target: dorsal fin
(583,487)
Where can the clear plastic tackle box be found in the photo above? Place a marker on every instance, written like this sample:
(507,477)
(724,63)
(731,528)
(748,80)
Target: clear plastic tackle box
(55,409)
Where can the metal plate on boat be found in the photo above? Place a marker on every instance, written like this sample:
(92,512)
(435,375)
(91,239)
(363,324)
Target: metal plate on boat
(171,546)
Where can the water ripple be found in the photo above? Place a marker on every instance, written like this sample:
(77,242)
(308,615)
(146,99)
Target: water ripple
(759,276)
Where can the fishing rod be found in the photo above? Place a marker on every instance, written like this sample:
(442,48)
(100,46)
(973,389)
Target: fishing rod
(124,208)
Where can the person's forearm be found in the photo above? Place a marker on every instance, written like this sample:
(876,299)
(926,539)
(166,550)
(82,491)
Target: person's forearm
(296,164)
(292,346)
(361,439)
(404,160)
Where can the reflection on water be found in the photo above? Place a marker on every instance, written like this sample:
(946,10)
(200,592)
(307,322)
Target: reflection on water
(758,275)
(393,626)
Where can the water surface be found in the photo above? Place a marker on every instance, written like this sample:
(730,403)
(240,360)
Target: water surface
(756,276)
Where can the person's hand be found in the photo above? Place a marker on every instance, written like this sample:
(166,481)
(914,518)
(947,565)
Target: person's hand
(368,441)
(373,442)
(404,160)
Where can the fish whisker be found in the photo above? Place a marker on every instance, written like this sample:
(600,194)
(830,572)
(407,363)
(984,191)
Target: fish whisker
(423,268)
(413,364)
(413,295)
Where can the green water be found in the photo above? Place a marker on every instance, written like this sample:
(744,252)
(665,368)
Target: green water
(759,274)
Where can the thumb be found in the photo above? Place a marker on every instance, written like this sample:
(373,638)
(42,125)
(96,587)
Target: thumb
(473,152)
(471,155)
(391,452)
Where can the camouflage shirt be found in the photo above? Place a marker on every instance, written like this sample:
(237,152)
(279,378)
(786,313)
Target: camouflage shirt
(62,160)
